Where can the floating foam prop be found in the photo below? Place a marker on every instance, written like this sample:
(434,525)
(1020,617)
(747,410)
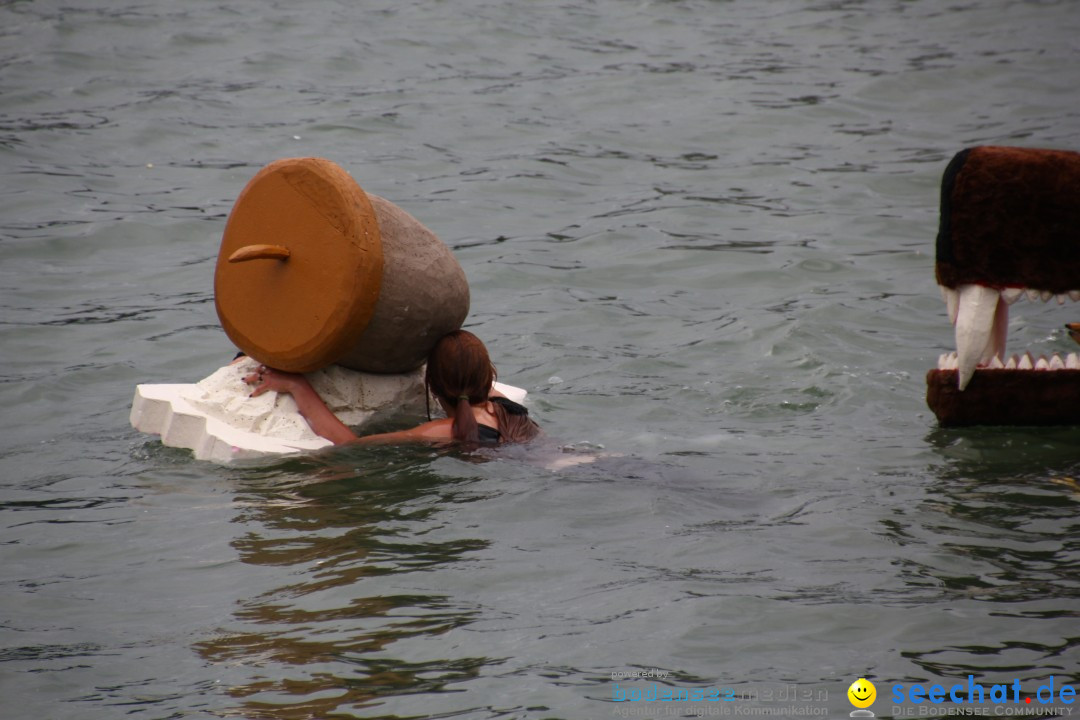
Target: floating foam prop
(1009,230)
(315,276)
(217,420)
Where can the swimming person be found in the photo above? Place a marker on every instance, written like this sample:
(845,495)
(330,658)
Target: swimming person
(459,375)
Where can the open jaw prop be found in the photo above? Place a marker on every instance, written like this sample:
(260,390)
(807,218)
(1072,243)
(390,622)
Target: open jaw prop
(1010,230)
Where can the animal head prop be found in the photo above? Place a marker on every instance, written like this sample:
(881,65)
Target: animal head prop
(1010,230)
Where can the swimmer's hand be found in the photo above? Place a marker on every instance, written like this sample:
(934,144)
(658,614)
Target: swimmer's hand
(308,402)
(265,379)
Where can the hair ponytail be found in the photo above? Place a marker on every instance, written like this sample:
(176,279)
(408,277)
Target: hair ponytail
(464,428)
(459,372)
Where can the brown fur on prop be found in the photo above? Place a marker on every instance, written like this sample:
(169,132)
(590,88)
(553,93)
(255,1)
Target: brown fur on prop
(1010,217)
(1006,397)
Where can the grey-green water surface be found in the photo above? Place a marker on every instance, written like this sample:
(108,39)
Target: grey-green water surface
(700,233)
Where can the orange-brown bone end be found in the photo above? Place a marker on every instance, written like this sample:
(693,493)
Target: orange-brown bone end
(303,314)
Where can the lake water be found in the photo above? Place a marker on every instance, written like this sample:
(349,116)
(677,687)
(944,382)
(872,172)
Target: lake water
(700,233)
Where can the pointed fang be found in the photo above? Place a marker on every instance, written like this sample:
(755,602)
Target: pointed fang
(981,322)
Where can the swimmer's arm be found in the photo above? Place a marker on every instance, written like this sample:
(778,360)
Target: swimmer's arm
(326,424)
(434,431)
(322,421)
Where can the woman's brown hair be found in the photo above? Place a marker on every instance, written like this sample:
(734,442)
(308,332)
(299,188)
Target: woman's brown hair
(459,369)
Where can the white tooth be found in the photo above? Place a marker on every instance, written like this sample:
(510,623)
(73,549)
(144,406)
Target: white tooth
(1011,295)
(1025,362)
(1046,295)
(981,324)
(942,359)
(1041,363)
(953,362)
(1074,295)
(1072,361)
(1056,363)
(1060,298)
(1011,364)
(1032,295)
(952,301)
(996,363)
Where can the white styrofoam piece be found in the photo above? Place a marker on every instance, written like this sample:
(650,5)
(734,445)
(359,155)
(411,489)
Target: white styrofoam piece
(163,410)
(218,420)
(513,393)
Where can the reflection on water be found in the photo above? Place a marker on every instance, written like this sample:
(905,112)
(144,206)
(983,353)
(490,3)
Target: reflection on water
(348,631)
(997,528)
(345,538)
(1013,518)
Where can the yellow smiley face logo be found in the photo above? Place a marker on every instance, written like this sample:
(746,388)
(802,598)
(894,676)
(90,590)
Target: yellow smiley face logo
(862,693)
